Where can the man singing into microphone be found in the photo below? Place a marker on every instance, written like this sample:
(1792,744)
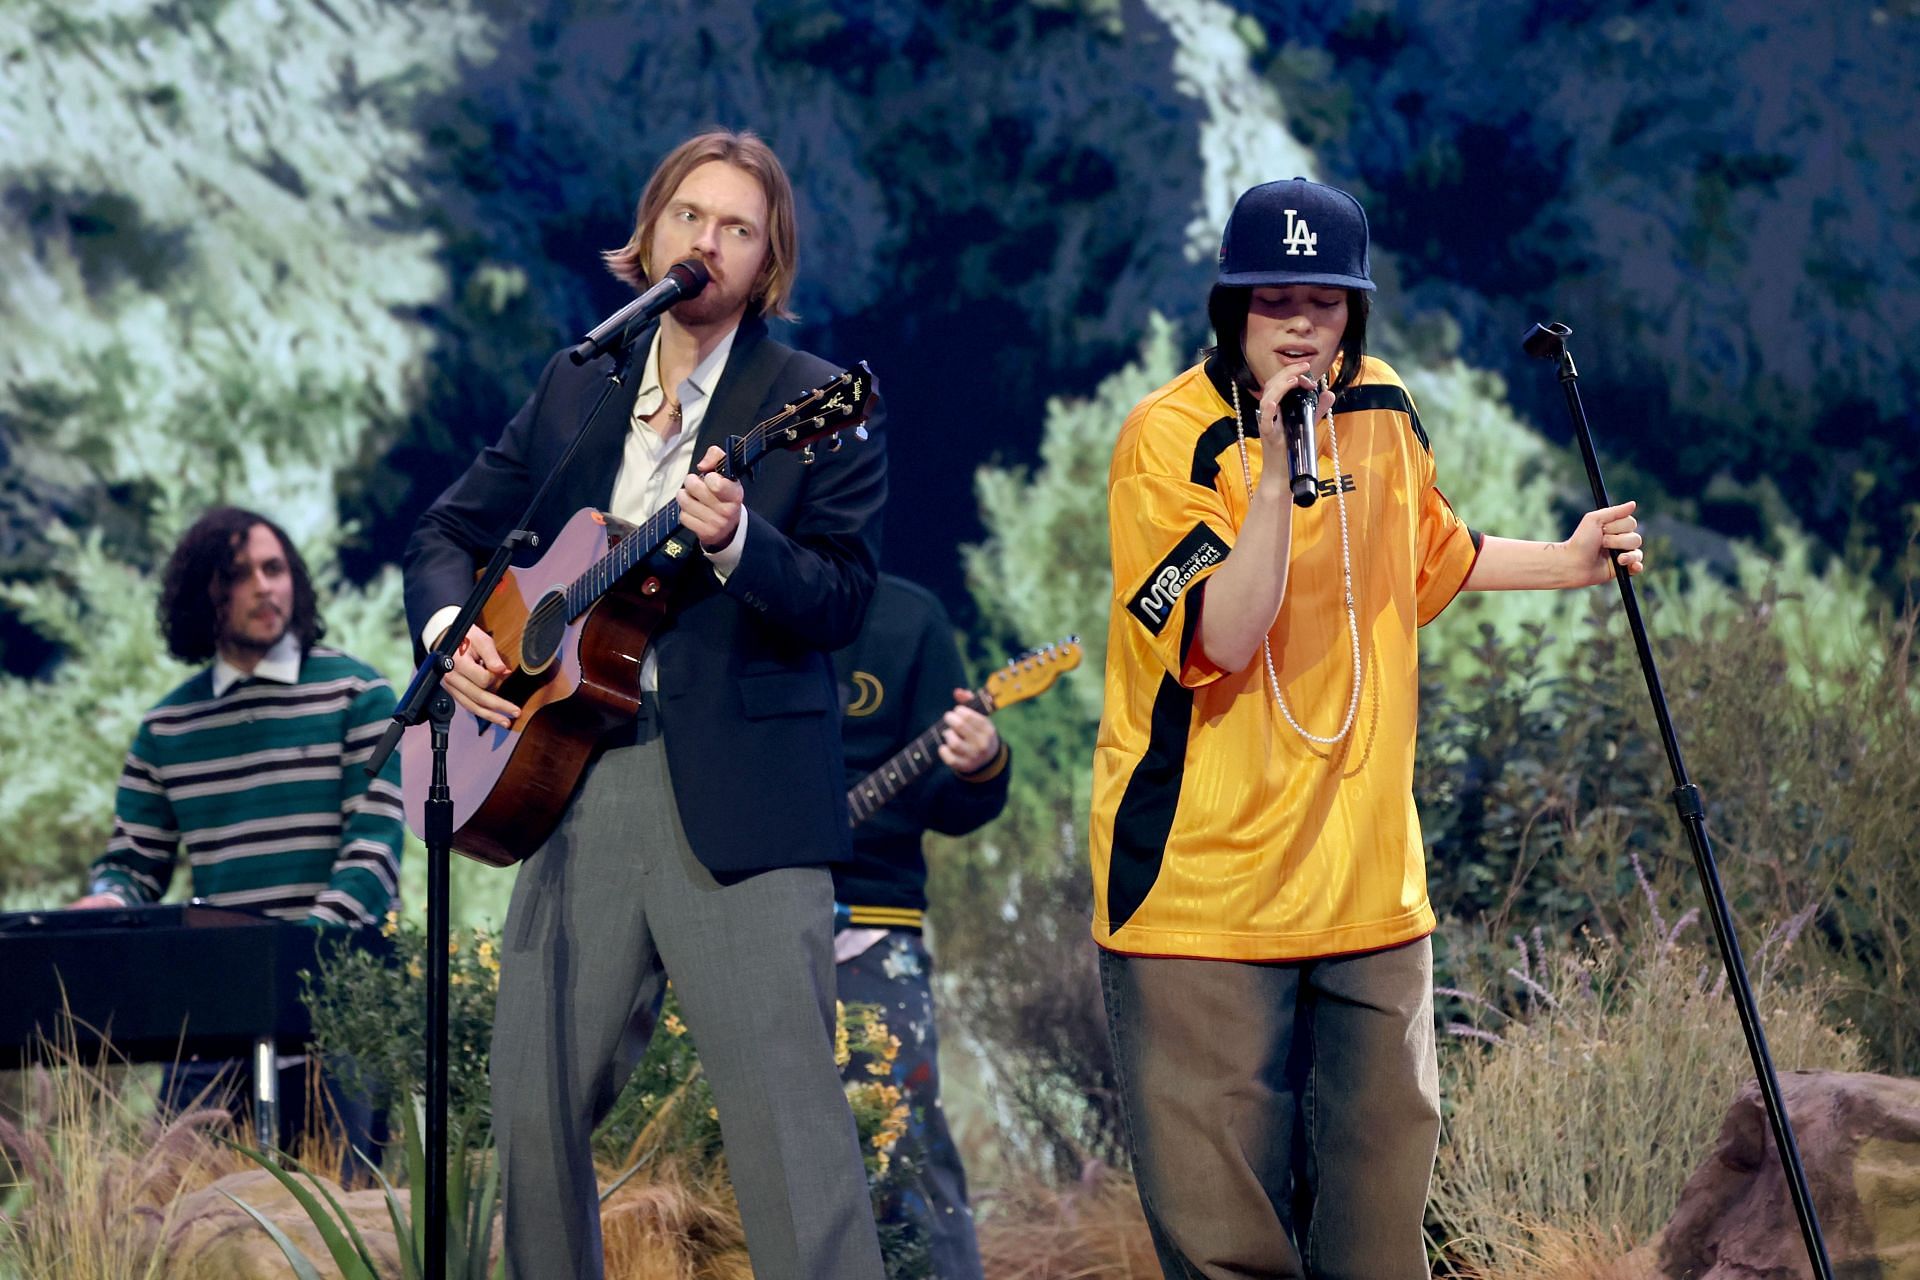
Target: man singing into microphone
(1259,891)
(697,844)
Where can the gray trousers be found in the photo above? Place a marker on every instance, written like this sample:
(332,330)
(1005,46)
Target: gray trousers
(600,917)
(1283,1117)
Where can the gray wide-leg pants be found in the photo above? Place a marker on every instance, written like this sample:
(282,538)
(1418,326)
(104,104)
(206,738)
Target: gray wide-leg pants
(611,906)
(1283,1117)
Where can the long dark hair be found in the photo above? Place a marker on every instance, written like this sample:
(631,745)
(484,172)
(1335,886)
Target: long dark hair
(194,591)
(1227,309)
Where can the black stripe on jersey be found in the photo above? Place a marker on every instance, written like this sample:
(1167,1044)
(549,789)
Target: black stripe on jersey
(1144,818)
(1382,396)
(1213,442)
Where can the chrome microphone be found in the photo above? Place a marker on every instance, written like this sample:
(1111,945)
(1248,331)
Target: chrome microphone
(1298,410)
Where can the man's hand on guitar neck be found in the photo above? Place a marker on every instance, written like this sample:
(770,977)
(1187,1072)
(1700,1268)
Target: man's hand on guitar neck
(968,740)
(477,668)
(710,503)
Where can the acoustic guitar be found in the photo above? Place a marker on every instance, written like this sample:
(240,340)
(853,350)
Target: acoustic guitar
(573,628)
(1027,676)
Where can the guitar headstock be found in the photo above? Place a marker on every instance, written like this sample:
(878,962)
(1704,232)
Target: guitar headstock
(842,403)
(1031,674)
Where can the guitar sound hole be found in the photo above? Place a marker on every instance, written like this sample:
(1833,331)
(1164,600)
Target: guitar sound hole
(546,627)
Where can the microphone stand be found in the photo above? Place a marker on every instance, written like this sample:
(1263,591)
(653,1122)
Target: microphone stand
(1549,342)
(426,700)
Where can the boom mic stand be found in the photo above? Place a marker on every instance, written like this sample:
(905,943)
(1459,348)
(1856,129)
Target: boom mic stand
(426,700)
(1549,342)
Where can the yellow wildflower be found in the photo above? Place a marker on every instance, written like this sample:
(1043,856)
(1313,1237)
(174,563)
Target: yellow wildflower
(674,1026)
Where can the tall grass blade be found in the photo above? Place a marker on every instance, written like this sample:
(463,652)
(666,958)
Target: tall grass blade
(302,1265)
(350,1256)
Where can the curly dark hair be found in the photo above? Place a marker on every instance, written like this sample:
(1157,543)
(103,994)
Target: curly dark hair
(193,615)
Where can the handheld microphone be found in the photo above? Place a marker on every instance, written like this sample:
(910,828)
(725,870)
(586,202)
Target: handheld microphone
(683,280)
(1298,410)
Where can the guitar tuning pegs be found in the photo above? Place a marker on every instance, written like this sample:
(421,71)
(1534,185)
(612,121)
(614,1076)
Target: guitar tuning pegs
(806,456)
(860,432)
(834,442)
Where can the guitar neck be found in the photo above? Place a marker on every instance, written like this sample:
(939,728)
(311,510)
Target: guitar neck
(842,403)
(906,766)
(646,538)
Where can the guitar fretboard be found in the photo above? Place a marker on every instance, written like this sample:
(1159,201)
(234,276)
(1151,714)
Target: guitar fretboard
(906,765)
(646,538)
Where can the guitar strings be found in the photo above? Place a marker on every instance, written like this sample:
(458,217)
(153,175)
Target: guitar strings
(544,612)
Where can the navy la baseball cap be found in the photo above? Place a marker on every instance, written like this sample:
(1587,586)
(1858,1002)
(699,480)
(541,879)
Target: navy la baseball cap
(1295,232)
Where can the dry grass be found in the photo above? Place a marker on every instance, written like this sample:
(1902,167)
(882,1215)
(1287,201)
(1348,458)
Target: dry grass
(677,1221)
(1557,1253)
(1578,1128)
(93,1176)
(93,1172)
(1093,1230)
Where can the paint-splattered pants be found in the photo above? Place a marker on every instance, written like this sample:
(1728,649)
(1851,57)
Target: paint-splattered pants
(896,974)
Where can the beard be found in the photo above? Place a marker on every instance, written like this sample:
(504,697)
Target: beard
(249,638)
(715,303)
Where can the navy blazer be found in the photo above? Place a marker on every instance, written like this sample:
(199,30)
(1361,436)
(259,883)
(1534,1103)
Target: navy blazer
(748,708)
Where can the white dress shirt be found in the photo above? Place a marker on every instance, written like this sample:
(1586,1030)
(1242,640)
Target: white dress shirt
(652,468)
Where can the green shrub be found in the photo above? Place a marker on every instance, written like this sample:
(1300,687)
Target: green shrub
(1538,792)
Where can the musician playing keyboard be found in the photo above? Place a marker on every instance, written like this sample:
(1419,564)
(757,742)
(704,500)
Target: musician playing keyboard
(252,765)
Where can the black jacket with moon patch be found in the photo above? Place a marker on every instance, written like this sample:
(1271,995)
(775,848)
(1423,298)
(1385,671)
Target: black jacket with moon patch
(896,680)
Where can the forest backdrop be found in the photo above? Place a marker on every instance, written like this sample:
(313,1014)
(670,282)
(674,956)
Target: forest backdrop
(308,255)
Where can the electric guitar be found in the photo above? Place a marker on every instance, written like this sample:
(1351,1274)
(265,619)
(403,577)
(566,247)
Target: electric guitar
(573,628)
(1027,676)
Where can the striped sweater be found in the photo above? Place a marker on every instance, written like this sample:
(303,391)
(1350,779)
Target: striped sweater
(264,789)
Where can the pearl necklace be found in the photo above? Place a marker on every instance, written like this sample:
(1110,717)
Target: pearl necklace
(1346,573)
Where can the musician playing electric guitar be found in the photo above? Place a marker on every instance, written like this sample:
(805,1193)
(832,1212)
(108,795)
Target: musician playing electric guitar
(697,843)
(903,674)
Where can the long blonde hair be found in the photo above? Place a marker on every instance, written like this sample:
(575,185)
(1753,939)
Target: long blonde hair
(744,150)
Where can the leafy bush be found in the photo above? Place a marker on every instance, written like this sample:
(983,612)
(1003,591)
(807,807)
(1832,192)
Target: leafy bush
(370,1014)
(472,1191)
(1537,793)
(1031,1007)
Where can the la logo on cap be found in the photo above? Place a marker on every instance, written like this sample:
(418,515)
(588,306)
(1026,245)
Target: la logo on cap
(1299,239)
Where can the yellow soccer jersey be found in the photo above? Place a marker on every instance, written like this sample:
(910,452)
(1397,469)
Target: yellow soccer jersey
(1217,830)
